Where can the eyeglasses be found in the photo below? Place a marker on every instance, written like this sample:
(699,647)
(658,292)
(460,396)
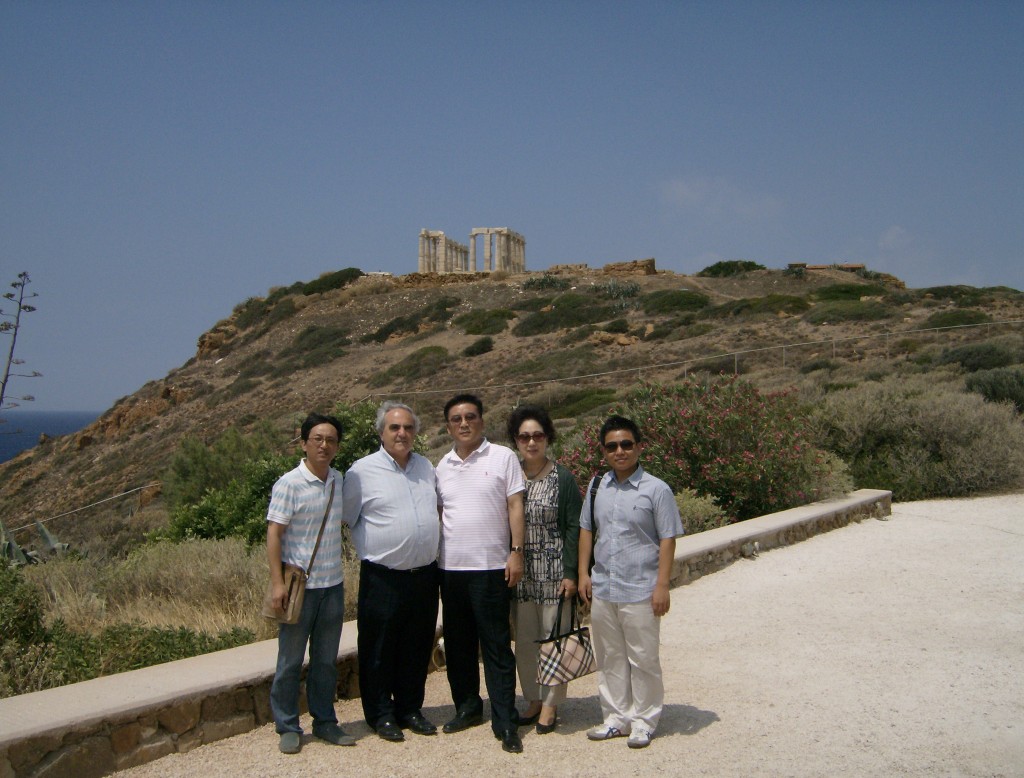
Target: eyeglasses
(536,437)
(320,440)
(615,445)
(469,418)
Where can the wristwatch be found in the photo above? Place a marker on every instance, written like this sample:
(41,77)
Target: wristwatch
(517,549)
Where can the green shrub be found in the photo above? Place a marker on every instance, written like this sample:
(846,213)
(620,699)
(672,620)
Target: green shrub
(922,439)
(266,313)
(962,296)
(236,509)
(723,439)
(545,282)
(198,466)
(617,290)
(958,318)
(533,304)
(479,346)
(818,364)
(560,363)
(329,281)
(849,291)
(480,322)
(314,346)
(580,401)
(699,513)
(250,312)
(568,310)
(772,304)
(421,363)
(236,505)
(978,356)
(1001,384)
(848,310)
(21,608)
(437,311)
(617,327)
(667,301)
(281,311)
(729,267)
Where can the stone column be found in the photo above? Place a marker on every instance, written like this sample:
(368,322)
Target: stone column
(472,252)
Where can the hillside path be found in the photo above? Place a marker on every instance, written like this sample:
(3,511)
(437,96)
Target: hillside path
(889,647)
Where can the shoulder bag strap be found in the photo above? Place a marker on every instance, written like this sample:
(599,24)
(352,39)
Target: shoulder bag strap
(323,524)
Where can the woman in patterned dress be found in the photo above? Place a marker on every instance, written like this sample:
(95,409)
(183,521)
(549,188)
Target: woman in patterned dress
(553,504)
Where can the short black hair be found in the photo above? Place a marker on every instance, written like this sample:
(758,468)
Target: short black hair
(315,419)
(615,423)
(459,399)
(526,413)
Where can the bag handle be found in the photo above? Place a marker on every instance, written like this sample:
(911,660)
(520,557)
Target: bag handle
(323,524)
(556,635)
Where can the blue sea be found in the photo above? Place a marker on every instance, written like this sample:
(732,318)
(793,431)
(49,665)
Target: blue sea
(20,430)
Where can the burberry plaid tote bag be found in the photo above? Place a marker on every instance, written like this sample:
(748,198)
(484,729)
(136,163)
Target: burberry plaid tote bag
(565,656)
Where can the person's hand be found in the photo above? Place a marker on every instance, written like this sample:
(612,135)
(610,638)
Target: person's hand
(514,569)
(660,599)
(279,596)
(568,588)
(585,588)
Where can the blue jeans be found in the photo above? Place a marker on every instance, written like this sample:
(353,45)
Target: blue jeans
(319,625)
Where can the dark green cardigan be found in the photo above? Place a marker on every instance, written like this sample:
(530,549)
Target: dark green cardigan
(570,504)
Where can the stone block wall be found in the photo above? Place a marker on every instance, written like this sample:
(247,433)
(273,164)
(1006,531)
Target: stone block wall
(103,747)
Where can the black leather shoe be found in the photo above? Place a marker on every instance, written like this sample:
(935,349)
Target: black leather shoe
(510,741)
(418,723)
(463,721)
(528,721)
(389,730)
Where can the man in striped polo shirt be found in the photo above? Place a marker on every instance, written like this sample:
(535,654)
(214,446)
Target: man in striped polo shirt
(301,500)
(480,489)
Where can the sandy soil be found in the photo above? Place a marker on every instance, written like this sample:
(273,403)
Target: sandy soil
(884,648)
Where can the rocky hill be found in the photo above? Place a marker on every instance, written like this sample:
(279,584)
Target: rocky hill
(299,349)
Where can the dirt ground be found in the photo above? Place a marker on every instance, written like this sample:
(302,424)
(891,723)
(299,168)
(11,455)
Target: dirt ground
(884,648)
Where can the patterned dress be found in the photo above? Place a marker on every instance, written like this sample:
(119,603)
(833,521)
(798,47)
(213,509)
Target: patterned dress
(542,570)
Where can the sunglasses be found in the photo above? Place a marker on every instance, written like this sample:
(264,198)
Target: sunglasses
(536,437)
(615,445)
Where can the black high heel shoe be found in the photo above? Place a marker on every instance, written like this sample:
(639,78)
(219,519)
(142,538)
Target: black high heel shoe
(547,729)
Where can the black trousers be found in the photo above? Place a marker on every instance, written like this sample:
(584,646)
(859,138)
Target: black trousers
(397,619)
(475,605)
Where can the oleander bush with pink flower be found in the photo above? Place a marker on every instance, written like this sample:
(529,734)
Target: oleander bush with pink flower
(723,438)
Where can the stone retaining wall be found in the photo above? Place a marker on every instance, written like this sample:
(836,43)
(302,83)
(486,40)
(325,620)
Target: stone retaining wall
(107,724)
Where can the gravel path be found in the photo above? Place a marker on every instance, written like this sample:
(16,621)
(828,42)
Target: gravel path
(884,648)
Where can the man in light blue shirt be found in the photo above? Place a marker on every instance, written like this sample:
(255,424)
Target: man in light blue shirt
(390,501)
(636,521)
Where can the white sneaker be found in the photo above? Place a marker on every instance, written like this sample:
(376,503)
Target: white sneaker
(639,738)
(604,732)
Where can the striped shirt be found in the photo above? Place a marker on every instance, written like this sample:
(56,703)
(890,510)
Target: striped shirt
(472,495)
(299,500)
(633,517)
(392,512)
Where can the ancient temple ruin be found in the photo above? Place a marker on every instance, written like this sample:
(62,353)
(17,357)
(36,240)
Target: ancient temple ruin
(504,249)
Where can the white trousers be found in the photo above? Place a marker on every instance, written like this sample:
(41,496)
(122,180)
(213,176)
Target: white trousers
(533,622)
(626,644)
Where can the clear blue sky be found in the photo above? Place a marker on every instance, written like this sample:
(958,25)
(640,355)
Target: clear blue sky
(161,162)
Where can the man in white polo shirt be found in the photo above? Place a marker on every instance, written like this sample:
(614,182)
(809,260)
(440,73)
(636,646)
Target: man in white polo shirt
(480,489)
